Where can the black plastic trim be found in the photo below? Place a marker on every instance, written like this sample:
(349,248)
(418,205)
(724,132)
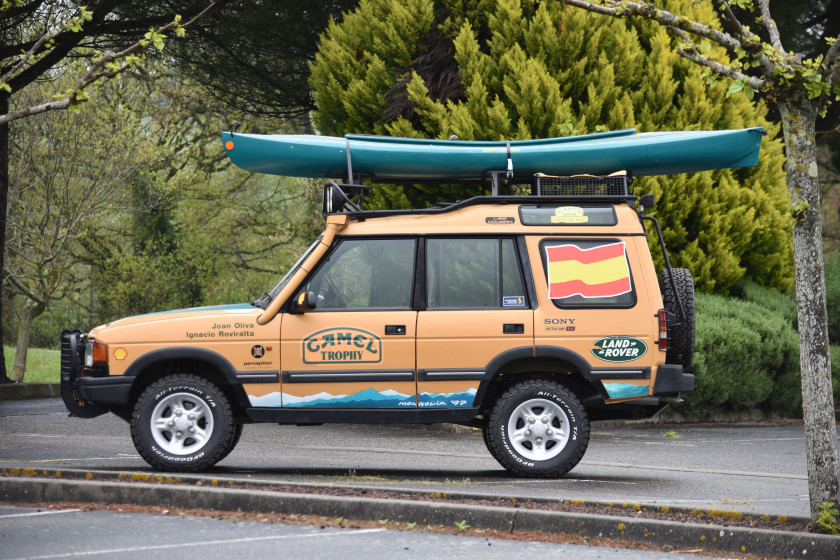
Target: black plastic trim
(565,355)
(620,373)
(496,364)
(361,415)
(347,376)
(104,390)
(183,353)
(258,376)
(671,380)
(525,267)
(450,374)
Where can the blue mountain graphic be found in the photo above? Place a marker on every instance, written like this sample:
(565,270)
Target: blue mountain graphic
(447,400)
(369,398)
(624,390)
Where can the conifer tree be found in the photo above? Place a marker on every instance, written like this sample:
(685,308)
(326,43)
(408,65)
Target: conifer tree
(518,69)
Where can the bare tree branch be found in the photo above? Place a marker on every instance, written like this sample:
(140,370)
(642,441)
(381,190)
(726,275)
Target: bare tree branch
(97,71)
(728,71)
(770,25)
(674,21)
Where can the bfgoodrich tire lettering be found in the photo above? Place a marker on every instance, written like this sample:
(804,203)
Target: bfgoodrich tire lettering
(183,423)
(538,428)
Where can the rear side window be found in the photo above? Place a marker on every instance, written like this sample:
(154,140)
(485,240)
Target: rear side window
(587,273)
(473,274)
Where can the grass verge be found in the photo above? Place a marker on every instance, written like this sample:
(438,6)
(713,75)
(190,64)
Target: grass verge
(42,365)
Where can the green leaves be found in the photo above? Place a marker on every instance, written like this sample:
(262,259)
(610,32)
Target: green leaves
(155,38)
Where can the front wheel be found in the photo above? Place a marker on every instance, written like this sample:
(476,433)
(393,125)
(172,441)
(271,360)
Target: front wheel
(538,429)
(183,423)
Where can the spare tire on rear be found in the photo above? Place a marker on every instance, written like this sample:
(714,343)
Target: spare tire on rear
(681,347)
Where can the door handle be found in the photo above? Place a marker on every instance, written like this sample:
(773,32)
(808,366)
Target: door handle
(513,328)
(395,329)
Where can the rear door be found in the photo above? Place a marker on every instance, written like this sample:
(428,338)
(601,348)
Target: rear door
(476,308)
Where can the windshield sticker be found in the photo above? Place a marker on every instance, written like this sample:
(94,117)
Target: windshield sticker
(569,215)
(598,272)
(342,346)
(513,301)
(619,349)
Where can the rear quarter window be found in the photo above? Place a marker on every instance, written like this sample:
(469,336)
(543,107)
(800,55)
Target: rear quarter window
(586,273)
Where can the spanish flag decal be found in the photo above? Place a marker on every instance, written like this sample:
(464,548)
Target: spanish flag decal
(597,272)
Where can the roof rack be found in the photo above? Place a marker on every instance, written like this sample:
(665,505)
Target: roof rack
(543,189)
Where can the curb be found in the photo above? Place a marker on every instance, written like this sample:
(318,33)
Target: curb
(198,479)
(762,542)
(18,391)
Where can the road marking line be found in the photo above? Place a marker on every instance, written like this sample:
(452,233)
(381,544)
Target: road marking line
(34,513)
(87,553)
(689,470)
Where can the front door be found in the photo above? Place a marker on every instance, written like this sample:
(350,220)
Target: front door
(357,348)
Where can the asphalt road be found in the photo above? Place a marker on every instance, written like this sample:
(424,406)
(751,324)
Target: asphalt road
(33,534)
(750,468)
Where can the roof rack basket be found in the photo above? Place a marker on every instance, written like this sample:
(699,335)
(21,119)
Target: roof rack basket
(617,185)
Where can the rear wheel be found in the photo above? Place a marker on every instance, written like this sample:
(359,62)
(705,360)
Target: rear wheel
(681,343)
(538,429)
(183,423)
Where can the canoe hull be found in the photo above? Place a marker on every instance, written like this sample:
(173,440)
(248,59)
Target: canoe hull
(415,160)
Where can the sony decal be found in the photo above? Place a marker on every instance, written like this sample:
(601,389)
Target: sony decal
(619,349)
(342,345)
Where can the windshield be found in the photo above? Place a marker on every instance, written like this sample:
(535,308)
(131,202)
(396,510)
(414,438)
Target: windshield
(266,298)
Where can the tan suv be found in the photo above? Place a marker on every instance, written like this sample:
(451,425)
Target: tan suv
(526,316)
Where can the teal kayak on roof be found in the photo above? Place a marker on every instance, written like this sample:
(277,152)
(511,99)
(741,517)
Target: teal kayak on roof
(392,159)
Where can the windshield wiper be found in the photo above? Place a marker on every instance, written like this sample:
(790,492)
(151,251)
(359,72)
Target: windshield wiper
(262,301)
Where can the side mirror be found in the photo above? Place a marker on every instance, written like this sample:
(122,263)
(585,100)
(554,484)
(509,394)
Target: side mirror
(305,301)
(646,201)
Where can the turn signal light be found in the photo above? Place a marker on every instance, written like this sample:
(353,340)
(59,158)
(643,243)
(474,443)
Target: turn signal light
(96,353)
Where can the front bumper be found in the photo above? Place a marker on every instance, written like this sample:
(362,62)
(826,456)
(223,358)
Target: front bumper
(77,400)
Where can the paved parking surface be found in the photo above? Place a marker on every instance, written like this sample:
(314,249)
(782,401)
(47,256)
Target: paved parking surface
(32,534)
(749,468)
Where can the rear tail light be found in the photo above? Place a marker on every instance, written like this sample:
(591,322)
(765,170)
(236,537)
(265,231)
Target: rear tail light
(663,329)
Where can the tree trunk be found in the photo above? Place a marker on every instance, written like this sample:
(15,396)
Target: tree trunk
(4,195)
(30,311)
(798,119)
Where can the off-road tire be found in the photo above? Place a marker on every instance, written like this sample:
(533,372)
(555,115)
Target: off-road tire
(174,397)
(237,433)
(681,343)
(538,398)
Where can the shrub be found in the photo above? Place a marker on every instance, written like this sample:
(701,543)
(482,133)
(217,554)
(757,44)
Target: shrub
(832,296)
(743,350)
(771,299)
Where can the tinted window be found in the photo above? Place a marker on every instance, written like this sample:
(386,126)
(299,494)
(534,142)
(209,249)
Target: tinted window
(473,273)
(588,273)
(366,273)
(567,215)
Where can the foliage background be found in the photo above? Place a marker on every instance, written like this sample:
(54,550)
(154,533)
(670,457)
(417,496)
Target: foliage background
(188,230)
(518,69)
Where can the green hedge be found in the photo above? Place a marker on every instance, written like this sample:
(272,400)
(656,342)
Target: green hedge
(742,350)
(748,352)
